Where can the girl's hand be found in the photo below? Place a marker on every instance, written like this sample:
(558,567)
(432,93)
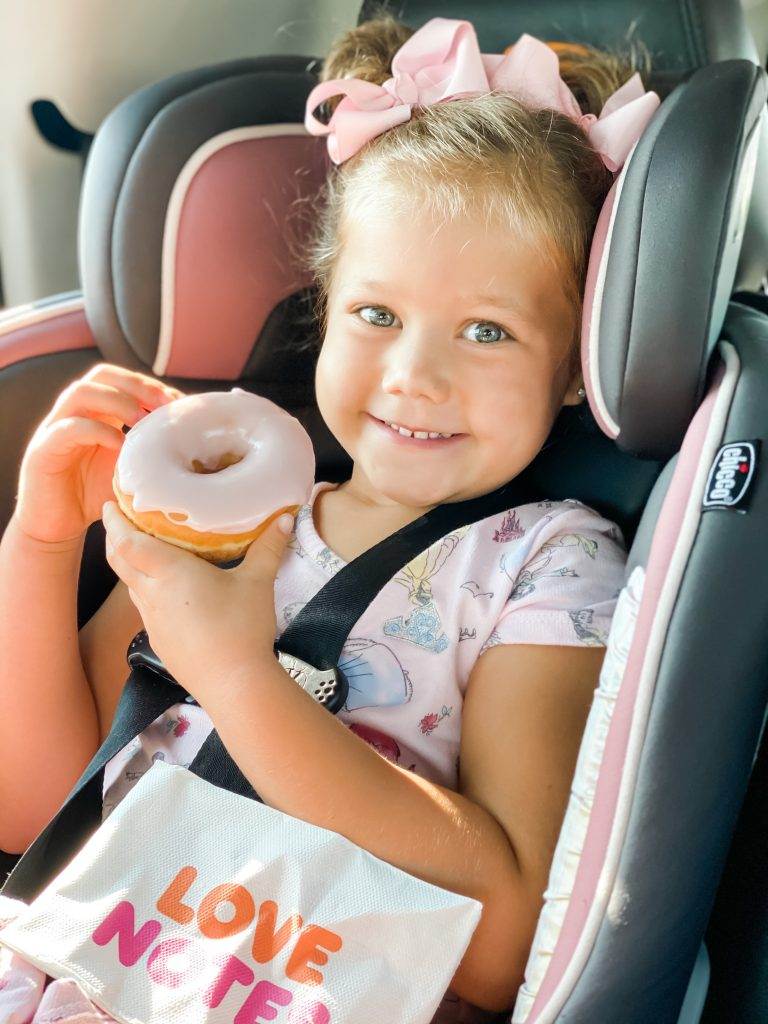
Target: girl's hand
(66,472)
(202,621)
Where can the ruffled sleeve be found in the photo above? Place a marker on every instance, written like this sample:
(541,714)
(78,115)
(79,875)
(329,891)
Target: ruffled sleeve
(566,590)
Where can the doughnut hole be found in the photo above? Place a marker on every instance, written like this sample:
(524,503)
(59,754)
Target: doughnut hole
(198,466)
(227,459)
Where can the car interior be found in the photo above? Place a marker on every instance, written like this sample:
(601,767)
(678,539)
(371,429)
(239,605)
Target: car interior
(197,192)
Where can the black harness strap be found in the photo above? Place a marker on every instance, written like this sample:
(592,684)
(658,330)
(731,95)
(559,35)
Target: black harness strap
(316,635)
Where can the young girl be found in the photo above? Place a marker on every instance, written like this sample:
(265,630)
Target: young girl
(450,260)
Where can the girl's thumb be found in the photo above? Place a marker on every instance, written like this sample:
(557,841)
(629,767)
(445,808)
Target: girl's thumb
(268,549)
(285,524)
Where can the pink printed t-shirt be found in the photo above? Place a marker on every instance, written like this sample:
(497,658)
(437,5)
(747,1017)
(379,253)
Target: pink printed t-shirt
(543,573)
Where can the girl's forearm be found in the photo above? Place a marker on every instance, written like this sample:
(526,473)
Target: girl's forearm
(48,725)
(305,762)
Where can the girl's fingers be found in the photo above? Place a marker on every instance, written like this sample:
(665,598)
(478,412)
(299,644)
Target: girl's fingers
(129,552)
(112,394)
(75,432)
(140,385)
(92,399)
(264,555)
(122,568)
(146,556)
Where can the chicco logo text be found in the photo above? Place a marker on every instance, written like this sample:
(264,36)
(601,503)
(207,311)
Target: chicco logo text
(731,475)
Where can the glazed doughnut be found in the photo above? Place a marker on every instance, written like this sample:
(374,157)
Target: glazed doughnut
(209,472)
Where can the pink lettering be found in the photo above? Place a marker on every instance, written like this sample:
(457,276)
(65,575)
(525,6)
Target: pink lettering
(233,970)
(258,1006)
(160,970)
(131,946)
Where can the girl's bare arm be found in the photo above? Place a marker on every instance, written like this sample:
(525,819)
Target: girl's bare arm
(56,696)
(48,721)
(57,699)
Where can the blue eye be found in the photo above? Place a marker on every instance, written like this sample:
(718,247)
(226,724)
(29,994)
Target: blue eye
(484,331)
(377,316)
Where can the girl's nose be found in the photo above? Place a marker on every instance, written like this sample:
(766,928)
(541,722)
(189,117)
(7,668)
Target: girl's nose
(416,367)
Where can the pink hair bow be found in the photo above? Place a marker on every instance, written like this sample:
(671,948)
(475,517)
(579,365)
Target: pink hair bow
(442,61)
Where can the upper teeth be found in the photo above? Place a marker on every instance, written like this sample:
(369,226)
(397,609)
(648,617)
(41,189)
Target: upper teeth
(423,434)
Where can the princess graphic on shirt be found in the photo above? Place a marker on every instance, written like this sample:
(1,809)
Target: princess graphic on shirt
(422,625)
(524,582)
(375,675)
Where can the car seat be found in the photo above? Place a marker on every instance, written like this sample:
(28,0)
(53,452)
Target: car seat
(186,239)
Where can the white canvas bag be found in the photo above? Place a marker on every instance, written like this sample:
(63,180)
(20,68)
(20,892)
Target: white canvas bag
(192,904)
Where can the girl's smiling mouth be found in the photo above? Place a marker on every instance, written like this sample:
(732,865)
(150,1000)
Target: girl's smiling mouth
(402,435)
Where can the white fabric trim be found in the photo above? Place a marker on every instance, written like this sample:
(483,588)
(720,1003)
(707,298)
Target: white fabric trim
(733,238)
(18,317)
(173,219)
(597,306)
(573,833)
(607,898)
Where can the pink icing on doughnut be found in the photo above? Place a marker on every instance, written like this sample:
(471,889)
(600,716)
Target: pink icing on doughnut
(277,464)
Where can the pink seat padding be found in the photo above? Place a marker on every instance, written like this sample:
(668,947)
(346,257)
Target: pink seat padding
(231,234)
(60,327)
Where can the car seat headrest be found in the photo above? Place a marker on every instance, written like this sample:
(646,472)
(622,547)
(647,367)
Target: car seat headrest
(681,38)
(187,229)
(664,256)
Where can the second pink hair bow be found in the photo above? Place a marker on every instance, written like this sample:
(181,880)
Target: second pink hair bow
(442,61)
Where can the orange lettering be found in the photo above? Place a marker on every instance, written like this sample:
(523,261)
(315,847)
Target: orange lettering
(240,899)
(170,902)
(307,951)
(267,943)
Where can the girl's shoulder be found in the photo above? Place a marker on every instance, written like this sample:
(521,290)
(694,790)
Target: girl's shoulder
(546,519)
(566,567)
(563,547)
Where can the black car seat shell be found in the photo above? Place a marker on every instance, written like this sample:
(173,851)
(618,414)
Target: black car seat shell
(674,371)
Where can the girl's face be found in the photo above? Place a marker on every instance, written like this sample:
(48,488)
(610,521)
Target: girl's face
(454,328)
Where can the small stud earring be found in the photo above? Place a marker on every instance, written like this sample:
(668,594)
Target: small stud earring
(582,393)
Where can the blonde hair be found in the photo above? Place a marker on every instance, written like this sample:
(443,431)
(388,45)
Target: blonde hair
(489,155)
